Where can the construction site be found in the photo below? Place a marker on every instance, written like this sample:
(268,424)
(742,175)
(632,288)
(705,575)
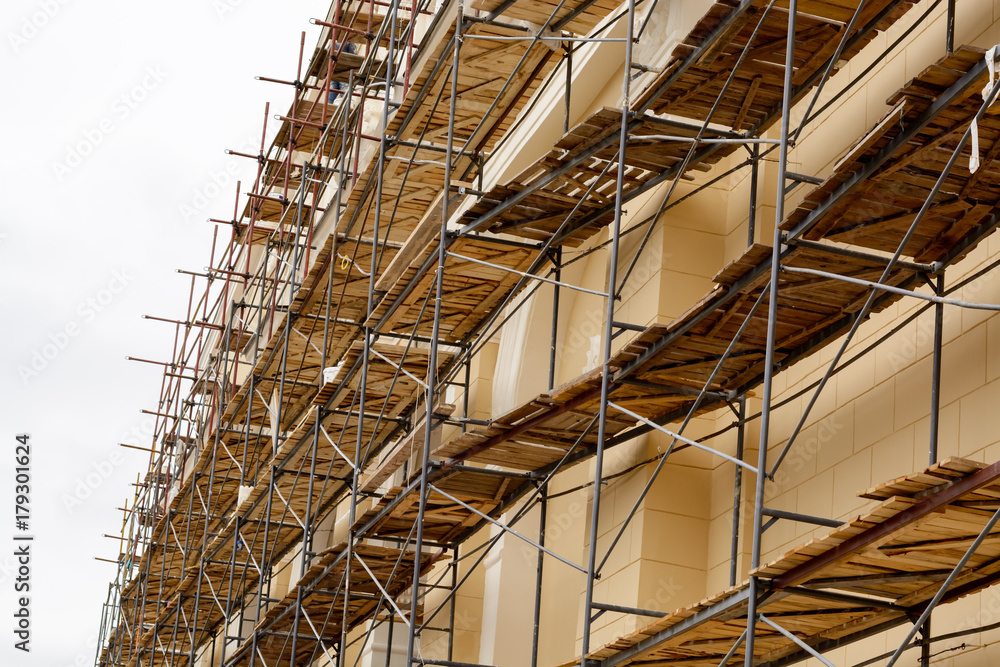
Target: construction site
(582,332)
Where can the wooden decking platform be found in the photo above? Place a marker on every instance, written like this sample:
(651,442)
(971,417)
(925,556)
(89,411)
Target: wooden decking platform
(568,193)
(317,601)
(664,365)
(876,571)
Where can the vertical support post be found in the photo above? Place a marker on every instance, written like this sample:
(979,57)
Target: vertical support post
(772,320)
(949,43)
(557,260)
(465,393)
(436,332)
(265,562)
(569,84)
(754,179)
(358,444)
(295,625)
(543,510)
(737,491)
(370,306)
(936,372)
(925,643)
(608,330)
(388,641)
(452,603)
(308,534)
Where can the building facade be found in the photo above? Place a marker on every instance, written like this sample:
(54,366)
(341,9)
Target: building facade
(560,226)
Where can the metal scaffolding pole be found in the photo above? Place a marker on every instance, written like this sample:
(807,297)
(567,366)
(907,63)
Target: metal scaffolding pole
(411,648)
(772,324)
(608,333)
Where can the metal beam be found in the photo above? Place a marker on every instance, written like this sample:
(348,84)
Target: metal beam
(847,548)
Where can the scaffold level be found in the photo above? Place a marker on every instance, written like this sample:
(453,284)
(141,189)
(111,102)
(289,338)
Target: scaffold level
(873,573)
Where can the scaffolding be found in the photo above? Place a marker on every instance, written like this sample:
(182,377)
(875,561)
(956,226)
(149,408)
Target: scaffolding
(321,375)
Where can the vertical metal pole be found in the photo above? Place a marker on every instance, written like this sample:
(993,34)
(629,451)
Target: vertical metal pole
(608,330)
(346,147)
(359,440)
(265,562)
(557,258)
(936,372)
(925,647)
(772,320)
(367,332)
(206,504)
(754,176)
(388,642)
(308,533)
(949,43)
(436,332)
(451,604)
(543,509)
(569,84)
(295,625)
(465,394)
(737,491)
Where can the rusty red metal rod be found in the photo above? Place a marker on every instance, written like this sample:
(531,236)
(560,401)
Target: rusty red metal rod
(208,325)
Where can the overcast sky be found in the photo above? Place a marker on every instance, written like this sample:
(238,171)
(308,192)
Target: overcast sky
(116,116)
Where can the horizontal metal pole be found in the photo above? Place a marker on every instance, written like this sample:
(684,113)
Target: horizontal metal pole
(695,140)
(527,275)
(867,256)
(895,290)
(531,38)
(803,178)
(804,518)
(628,610)
(447,663)
(686,391)
(489,471)
(846,598)
(693,443)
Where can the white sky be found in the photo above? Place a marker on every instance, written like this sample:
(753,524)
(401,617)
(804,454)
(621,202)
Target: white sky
(148,95)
